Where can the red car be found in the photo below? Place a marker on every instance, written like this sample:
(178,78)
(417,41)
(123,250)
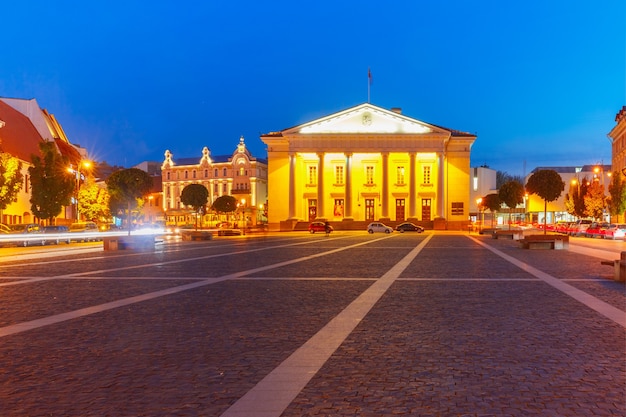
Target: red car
(319,227)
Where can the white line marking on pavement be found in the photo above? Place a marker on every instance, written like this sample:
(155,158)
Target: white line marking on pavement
(607,310)
(33,324)
(273,394)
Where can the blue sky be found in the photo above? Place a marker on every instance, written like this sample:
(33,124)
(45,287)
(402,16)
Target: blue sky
(539,82)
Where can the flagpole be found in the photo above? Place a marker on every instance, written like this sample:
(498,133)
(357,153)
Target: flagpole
(369,83)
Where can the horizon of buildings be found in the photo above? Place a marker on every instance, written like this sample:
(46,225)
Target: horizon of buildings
(383,185)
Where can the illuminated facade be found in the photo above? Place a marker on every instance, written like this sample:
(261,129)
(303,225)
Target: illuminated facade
(240,175)
(367,163)
(618,136)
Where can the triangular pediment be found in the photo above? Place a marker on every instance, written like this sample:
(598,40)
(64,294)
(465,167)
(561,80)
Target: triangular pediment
(365,119)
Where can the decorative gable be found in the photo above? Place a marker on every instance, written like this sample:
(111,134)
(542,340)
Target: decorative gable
(366,119)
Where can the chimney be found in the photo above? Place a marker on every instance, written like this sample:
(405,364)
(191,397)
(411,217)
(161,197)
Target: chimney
(396,110)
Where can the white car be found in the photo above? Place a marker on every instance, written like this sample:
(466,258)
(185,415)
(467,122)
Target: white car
(615,231)
(378,227)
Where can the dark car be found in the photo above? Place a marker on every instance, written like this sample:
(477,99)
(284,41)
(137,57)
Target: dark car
(56,234)
(319,227)
(409,227)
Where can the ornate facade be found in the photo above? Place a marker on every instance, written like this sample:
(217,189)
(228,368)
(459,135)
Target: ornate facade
(367,163)
(240,175)
(618,136)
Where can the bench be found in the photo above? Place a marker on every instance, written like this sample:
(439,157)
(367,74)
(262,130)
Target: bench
(142,242)
(508,234)
(545,242)
(619,267)
(197,235)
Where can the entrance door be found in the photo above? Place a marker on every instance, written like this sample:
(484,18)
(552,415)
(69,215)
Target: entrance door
(369,209)
(400,209)
(426,209)
(312,210)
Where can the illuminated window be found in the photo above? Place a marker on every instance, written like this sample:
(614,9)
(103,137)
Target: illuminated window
(338,209)
(427,174)
(369,175)
(241,172)
(339,175)
(400,176)
(312,175)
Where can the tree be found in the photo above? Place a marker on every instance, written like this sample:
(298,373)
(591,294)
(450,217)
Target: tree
(493,203)
(503,177)
(11,179)
(511,193)
(128,186)
(195,195)
(548,185)
(52,186)
(595,200)
(617,193)
(93,201)
(225,204)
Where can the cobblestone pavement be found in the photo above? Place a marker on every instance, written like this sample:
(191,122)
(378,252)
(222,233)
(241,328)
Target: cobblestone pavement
(192,328)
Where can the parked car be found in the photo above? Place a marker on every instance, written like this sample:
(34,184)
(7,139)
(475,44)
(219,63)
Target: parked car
(378,227)
(59,234)
(319,227)
(579,228)
(409,227)
(596,229)
(615,231)
(88,229)
(26,229)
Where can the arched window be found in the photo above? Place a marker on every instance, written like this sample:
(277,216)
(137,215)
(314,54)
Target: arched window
(186,174)
(168,175)
(225,172)
(216,173)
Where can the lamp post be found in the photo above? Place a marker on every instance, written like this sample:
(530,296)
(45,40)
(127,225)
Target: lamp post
(79,177)
(479,204)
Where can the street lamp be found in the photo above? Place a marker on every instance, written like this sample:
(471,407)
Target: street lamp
(79,177)
(479,204)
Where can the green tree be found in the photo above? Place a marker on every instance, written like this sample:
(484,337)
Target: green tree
(617,193)
(128,186)
(548,185)
(595,200)
(93,201)
(11,179)
(195,195)
(51,185)
(511,193)
(493,203)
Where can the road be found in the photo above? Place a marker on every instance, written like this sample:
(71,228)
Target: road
(294,324)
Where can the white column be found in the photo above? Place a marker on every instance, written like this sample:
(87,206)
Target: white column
(292,185)
(412,186)
(385,191)
(348,212)
(320,185)
(441,186)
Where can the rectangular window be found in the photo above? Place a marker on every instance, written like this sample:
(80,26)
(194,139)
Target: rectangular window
(339,175)
(400,176)
(427,174)
(457,209)
(369,175)
(312,175)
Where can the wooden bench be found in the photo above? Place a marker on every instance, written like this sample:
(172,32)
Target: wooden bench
(197,235)
(141,242)
(508,234)
(619,267)
(545,242)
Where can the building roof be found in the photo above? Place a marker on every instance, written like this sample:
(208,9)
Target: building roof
(574,169)
(18,137)
(26,125)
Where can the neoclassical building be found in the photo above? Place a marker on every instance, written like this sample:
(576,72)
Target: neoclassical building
(618,141)
(240,175)
(367,163)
